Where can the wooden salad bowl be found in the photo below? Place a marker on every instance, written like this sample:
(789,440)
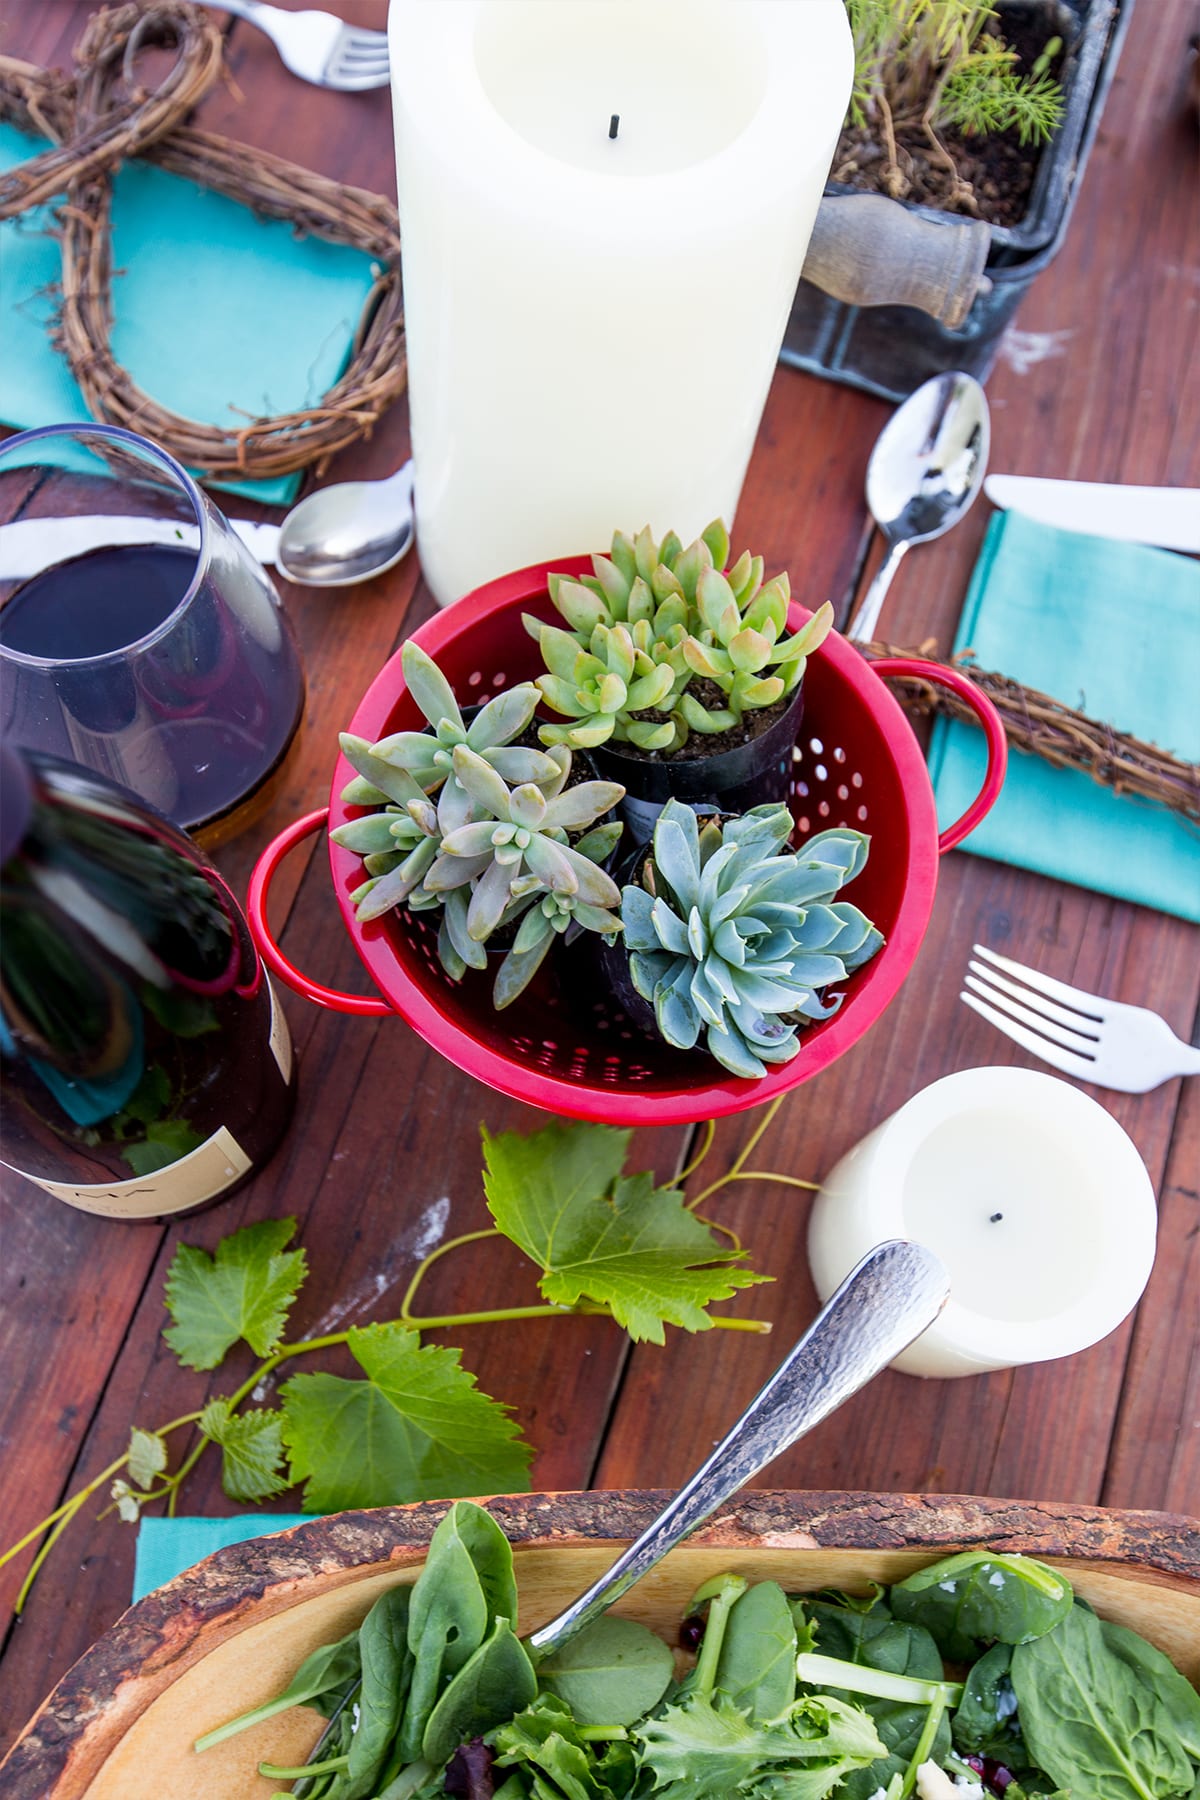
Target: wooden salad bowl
(230,1633)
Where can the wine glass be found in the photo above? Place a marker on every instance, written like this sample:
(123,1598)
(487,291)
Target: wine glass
(137,635)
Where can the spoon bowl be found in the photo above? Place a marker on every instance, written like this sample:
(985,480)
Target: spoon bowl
(348,533)
(926,468)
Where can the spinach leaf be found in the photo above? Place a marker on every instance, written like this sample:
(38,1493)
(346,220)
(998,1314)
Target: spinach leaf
(1090,1727)
(491,1554)
(704,1749)
(986,1723)
(449,1617)
(1174,1690)
(757,1665)
(977,1598)
(386,1669)
(874,1640)
(496,1682)
(320,1682)
(612,1673)
(863,1603)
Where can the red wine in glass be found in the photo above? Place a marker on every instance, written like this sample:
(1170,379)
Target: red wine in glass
(167,664)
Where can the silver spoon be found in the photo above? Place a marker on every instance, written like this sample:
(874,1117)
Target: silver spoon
(888,1300)
(925,470)
(348,532)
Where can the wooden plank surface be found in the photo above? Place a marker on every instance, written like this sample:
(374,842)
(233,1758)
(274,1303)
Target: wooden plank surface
(1095,384)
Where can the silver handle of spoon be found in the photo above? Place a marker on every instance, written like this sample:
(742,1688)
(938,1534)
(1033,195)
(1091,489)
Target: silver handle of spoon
(861,628)
(888,1300)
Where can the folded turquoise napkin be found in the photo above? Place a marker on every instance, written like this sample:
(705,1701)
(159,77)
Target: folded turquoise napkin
(1113,629)
(219,315)
(166,1547)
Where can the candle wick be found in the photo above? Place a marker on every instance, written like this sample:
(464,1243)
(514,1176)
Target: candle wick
(995,1218)
(613,123)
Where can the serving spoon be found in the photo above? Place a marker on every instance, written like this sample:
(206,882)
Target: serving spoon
(895,1293)
(348,532)
(925,471)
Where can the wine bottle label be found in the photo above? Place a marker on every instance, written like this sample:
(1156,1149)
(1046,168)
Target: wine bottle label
(201,1175)
(280,1039)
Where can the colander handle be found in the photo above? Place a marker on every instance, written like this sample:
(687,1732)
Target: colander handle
(993,729)
(367,1006)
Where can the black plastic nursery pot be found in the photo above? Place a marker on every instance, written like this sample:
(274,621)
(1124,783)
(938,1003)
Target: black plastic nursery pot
(891,350)
(755,773)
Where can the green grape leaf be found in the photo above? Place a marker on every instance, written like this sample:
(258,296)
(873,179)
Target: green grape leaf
(167,1140)
(244,1291)
(252,1450)
(184,1015)
(149,1098)
(147,1457)
(598,1236)
(417,1428)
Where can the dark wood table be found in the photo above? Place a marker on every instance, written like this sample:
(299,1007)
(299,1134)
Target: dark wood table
(1092,385)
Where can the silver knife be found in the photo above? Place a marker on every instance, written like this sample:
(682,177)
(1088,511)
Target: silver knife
(27,546)
(1166,516)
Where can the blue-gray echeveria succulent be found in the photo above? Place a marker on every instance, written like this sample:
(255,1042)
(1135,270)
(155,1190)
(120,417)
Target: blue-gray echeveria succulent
(651,620)
(732,936)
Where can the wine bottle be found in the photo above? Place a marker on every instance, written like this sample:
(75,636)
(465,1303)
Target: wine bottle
(145,1064)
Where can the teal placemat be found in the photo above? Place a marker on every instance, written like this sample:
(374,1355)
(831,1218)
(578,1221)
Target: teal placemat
(166,1547)
(218,314)
(1110,628)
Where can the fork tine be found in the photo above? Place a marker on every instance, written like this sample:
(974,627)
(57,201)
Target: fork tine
(1027,1015)
(353,81)
(1091,1005)
(375,56)
(1075,1022)
(366,43)
(1066,1060)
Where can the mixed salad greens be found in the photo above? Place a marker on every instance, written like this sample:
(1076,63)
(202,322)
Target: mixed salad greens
(771,1697)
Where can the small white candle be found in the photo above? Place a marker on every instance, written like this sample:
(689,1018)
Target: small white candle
(593,320)
(1032,1195)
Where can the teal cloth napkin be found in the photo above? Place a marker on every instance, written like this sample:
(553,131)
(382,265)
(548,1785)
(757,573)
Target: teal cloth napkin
(166,1547)
(1113,629)
(219,315)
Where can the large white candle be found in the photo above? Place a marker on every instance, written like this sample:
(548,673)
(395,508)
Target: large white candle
(593,320)
(1029,1191)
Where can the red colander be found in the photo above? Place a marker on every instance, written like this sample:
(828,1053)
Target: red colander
(565,1045)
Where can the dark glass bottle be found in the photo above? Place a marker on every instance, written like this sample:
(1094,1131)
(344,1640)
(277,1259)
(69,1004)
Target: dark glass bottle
(145,1064)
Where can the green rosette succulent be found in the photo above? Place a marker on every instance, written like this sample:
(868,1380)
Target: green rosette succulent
(732,936)
(512,858)
(652,619)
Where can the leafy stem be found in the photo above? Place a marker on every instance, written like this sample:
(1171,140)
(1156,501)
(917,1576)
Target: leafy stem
(413,1425)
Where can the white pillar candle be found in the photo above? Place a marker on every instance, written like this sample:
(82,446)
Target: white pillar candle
(1029,1191)
(593,320)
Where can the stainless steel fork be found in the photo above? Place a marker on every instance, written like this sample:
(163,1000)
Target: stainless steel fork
(1116,1046)
(318,47)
